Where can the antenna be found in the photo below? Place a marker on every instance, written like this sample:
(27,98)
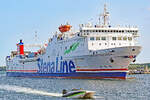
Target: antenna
(99,19)
(36,38)
(34,44)
(105,16)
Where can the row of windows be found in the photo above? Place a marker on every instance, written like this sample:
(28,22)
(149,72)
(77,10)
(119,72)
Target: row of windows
(106,44)
(120,31)
(113,38)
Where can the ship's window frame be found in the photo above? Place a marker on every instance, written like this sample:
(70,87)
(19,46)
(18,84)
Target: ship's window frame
(130,38)
(92,38)
(119,38)
(98,38)
(102,30)
(103,38)
(114,38)
(96,30)
(125,38)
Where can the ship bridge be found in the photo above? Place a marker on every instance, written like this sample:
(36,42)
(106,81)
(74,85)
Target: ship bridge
(104,36)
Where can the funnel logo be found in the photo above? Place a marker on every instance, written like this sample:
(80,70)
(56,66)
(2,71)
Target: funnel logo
(58,66)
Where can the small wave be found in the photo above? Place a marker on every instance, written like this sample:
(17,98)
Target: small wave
(28,90)
(98,97)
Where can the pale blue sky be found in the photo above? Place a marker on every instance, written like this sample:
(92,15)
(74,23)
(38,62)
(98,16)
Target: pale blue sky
(21,18)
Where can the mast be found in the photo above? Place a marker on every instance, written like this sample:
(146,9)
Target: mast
(105,16)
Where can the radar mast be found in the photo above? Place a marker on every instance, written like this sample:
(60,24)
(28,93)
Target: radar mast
(105,16)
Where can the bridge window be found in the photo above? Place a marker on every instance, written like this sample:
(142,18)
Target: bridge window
(103,38)
(125,38)
(114,38)
(92,38)
(97,38)
(119,38)
(130,38)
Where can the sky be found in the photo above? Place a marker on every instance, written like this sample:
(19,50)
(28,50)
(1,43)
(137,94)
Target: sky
(19,19)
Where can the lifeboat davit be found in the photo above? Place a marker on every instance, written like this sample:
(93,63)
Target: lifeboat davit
(64,28)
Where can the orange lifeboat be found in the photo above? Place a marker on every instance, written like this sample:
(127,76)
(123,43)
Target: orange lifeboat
(64,28)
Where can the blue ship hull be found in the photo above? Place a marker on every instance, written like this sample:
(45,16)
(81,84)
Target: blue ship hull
(77,75)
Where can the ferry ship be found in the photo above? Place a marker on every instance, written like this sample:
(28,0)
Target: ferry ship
(98,51)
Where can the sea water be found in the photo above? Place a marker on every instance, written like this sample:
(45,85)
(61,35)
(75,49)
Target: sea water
(17,88)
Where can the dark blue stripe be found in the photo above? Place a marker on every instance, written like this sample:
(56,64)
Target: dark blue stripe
(81,74)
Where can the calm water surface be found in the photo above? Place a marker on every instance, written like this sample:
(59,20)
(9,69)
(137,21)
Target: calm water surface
(13,88)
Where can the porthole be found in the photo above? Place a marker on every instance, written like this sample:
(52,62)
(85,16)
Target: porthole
(133,49)
(111,60)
